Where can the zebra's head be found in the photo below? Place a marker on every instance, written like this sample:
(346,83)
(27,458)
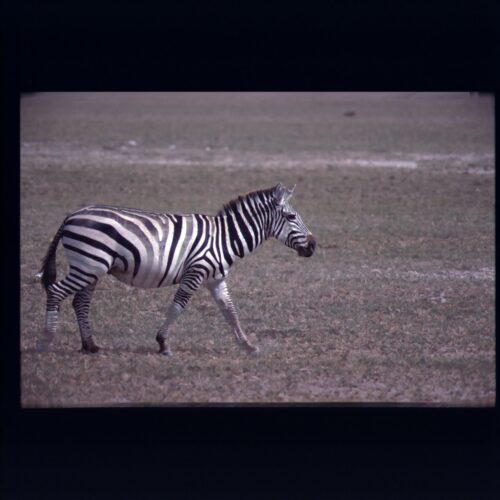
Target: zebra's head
(289,228)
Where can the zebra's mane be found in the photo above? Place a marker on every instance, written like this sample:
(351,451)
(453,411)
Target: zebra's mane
(233,204)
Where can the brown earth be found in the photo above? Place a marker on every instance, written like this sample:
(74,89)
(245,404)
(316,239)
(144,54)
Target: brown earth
(396,306)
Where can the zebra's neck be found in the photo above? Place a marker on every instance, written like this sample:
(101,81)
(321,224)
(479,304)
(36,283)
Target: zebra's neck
(245,223)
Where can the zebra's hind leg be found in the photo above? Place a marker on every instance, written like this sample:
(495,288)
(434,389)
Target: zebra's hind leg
(51,320)
(81,305)
(220,293)
(56,293)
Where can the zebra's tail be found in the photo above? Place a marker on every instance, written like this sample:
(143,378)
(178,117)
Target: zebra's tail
(48,271)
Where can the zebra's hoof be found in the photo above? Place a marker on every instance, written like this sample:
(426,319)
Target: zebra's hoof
(252,349)
(166,352)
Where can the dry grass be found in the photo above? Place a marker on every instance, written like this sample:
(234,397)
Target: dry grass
(396,306)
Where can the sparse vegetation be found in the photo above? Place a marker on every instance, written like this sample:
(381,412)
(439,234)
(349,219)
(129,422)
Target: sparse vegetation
(396,306)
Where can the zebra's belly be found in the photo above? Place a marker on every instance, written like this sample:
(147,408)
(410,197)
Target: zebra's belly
(149,275)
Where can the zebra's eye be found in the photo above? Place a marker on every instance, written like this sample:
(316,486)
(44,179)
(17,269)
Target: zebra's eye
(290,216)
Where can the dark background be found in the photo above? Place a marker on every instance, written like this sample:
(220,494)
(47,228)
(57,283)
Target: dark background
(354,45)
(239,452)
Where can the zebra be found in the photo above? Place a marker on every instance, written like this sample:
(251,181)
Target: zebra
(150,250)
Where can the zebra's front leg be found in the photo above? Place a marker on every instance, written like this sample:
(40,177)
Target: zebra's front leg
(81,305)
(173,312)
(189,284)
(220,293)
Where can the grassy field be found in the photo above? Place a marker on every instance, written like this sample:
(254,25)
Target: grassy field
(396,306)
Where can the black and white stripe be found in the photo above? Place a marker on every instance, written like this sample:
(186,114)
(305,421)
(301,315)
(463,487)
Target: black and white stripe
(150,250)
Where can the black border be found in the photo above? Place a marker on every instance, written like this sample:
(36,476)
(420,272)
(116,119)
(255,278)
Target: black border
(308,452)
(192,46)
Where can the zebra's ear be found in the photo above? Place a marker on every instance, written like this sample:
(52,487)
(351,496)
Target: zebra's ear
(282,194)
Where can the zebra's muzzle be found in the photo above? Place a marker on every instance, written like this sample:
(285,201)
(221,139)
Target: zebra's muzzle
(307,250)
